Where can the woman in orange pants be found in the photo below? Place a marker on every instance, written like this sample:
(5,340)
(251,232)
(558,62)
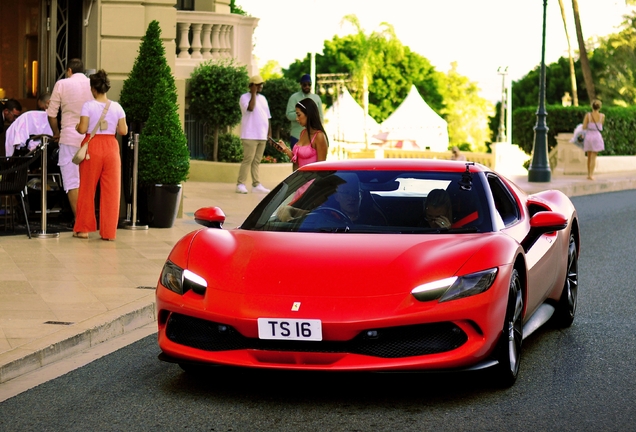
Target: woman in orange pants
(102,164)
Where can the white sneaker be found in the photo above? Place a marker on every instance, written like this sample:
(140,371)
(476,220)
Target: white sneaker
(240,188)
(260,189)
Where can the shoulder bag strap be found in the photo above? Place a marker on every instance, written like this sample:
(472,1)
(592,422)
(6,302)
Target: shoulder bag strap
(596,124)
(101,118)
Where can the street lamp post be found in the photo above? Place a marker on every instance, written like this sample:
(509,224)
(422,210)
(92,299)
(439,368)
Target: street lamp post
(539,170)
(501,136)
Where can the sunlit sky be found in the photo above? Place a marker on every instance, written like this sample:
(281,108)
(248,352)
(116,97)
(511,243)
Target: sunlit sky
(479,35)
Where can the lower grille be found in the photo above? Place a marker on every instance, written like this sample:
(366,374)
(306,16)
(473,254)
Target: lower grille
(393,342)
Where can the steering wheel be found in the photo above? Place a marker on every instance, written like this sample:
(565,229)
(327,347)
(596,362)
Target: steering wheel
(329,212)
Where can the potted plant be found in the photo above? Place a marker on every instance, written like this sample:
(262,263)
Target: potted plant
(137,98)
(164,158)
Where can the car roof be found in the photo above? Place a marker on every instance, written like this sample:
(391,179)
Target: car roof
(397,165)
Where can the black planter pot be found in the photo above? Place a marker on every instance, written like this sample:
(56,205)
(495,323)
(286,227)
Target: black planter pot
(158,205)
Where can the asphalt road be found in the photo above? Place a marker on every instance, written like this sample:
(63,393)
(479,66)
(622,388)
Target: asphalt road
(577,379)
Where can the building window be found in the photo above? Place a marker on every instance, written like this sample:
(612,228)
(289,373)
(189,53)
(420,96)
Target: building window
(187,5)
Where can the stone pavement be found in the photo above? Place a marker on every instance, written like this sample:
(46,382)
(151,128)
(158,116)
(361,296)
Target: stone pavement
(61,296)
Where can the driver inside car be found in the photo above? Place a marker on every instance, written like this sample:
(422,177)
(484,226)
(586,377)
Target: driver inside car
(438,211)
(345,204)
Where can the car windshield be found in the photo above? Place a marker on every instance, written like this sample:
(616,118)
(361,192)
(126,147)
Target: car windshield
(371,201)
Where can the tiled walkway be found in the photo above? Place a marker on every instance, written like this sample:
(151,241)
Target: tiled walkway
(59,296)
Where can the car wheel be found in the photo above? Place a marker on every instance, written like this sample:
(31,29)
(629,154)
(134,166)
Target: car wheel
(566,308)
(509,348)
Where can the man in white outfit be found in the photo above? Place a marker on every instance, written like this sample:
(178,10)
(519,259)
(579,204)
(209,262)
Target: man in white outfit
(69,96)
(255,130)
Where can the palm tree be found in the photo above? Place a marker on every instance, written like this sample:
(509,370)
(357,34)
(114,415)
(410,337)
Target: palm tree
(585,64)
(371,56)
(575,97)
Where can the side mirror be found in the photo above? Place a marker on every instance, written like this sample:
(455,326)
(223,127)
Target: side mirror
(542,223)
(211,217)
(548,221)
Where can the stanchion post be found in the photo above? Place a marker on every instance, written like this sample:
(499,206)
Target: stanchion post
(42,233)
(133,220)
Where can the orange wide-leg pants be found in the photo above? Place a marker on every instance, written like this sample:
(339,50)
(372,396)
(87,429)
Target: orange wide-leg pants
(104,166)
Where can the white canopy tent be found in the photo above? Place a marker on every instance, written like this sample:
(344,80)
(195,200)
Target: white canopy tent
(344,121)
(414,125)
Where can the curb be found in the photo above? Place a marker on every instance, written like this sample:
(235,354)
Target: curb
(68,341)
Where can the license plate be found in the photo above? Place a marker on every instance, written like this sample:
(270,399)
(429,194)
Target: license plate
(290,329)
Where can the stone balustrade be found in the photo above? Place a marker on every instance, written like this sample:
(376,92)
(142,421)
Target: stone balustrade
(203,36)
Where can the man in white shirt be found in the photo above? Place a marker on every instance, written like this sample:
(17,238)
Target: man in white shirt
(255,130)
(69,96)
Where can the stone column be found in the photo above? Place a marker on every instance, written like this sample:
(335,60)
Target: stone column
(206,43)
(196,41)
(216,43)
(184,43)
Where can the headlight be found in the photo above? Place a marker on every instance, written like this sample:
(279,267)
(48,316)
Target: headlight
(454,288)
(181,281)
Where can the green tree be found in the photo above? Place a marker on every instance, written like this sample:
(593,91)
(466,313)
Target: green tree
(585,64)
(236,9)
(164,157)
(375,49)
(466,112)
(137,95)
(392,80)
(271,70)
(395,69)
(277,91)
(614,63)
(525,91)
(575,97)
(215,90)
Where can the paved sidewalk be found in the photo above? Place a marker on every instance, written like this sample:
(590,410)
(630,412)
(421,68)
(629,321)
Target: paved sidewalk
(61,296)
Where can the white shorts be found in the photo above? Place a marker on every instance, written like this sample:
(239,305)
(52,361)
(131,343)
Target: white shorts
(70,171)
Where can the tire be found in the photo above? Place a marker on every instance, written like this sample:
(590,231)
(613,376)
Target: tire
(566,307)
(509,346)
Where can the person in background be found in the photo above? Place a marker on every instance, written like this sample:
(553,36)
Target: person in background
(457,155)
(69,96)
(313,144)
(593,142)
(305,92)
(256,129)
(438,211)
(43,101)
(104,164)
(11,110)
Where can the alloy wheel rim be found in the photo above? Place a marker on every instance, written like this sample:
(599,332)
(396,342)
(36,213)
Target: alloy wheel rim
(515,335)
(572,279)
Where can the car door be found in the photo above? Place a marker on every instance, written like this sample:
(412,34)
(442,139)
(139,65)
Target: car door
(541,257)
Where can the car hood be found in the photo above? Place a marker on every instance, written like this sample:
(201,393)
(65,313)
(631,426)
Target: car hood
(325,264)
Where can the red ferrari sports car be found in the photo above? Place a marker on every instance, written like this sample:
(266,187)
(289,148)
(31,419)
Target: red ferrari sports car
(374,265)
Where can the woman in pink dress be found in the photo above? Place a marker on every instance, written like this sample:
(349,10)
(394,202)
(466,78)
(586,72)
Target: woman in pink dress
(312,144)
(593,143)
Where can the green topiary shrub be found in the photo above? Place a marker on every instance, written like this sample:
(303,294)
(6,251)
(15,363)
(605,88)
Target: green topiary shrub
(139,88)
(164,157)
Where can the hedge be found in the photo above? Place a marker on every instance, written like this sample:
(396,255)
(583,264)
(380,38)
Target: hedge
(619,131)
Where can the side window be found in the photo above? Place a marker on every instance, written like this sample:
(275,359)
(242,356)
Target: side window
(504,201)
